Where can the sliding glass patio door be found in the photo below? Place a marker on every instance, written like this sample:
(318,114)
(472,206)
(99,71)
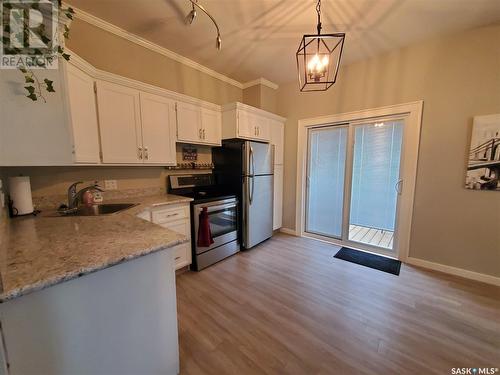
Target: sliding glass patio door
(353,183)
(325,182)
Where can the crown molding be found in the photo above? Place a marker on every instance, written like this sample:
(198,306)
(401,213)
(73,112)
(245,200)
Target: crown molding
(249,108)
(260,81)
(104,25)
(102,75)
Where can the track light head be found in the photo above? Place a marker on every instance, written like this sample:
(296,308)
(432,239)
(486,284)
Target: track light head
(218,42)
(191,16)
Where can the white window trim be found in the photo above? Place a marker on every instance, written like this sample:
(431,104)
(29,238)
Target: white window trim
(411,141)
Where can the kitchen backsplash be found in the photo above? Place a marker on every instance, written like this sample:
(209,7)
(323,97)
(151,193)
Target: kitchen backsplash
(49,184)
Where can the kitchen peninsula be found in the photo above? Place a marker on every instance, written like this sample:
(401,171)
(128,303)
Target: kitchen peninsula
(89,294)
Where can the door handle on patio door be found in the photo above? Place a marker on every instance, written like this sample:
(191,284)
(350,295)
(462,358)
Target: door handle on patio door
(399,186)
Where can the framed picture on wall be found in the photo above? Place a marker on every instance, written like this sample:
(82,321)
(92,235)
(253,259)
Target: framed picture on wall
(483,168)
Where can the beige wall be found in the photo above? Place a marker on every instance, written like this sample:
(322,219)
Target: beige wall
(251,96)
(458,77)
(262,97)
(114,54)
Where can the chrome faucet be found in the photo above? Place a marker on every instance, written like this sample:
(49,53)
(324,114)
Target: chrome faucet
(74,196)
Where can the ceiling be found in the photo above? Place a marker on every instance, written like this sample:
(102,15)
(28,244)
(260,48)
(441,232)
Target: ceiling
(260,37)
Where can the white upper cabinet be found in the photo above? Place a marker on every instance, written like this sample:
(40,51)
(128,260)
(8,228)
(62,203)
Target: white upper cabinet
(60,130)
(158,129)
(211,125)
(199,125)
(83,116)
(188,123)
(99,118)
(245,127)
(277,139)
(262,127)
(246,122)
(136,127)
(120,123)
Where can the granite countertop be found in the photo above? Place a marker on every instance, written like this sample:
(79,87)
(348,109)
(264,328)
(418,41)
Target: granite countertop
(37,252)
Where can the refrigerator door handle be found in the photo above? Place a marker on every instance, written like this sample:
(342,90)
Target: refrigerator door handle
(252,164)
(253,189)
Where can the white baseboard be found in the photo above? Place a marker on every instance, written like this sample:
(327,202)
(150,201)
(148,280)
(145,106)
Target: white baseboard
(289,231)
(489,279)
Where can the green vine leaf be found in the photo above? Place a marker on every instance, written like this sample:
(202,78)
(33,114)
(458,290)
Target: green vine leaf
(66,32)
(32,97)
(49,83)
(45,39)
(35,87)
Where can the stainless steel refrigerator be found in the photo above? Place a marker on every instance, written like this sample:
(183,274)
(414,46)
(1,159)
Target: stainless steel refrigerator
(246,169)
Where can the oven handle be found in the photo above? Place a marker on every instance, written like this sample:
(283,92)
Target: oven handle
(218,207)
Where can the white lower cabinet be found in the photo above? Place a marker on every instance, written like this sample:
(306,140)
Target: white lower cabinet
(176,217)
(118,320)
(278,197)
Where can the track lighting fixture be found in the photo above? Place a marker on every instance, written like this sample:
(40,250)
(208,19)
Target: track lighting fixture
(192,15)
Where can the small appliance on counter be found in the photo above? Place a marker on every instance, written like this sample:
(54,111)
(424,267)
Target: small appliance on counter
(247,168)
(214,218)
(20,202)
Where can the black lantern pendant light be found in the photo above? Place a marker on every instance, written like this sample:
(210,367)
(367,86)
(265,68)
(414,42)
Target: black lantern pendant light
(318,58)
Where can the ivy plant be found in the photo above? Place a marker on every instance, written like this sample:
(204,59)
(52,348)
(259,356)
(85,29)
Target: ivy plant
(36,87)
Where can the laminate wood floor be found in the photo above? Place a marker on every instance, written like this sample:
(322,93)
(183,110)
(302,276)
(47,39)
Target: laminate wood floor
(289,307)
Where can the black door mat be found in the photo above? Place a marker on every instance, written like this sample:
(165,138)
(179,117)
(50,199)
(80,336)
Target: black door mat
(377,262)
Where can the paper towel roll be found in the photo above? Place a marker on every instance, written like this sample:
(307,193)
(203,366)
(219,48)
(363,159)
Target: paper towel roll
(20,193)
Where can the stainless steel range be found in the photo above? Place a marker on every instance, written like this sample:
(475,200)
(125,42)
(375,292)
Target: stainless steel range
(214,218)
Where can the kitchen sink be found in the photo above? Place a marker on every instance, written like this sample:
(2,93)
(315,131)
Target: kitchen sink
(96,210)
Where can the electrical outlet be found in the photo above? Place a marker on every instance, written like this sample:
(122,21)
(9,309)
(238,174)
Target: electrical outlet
(110,185)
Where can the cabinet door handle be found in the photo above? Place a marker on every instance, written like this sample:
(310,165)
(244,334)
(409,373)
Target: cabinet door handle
(139,153)
(146,153)
(204,134)
(171,215)
(176,258)
(200,134)
(258,130)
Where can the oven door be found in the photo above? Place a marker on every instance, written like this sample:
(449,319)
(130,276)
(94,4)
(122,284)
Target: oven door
(222,219)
